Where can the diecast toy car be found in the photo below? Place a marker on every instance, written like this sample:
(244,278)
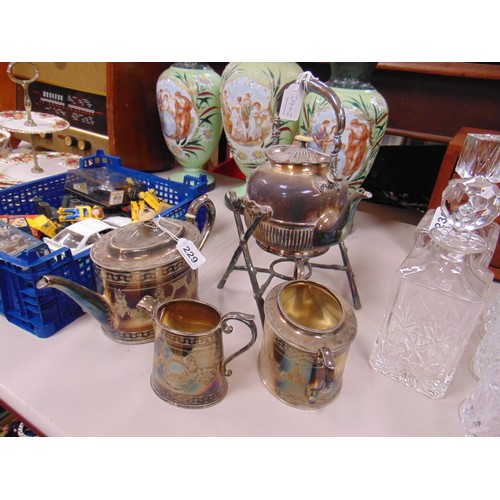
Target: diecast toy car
(79,236)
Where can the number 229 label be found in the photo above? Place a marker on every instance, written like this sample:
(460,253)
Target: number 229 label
(190,253)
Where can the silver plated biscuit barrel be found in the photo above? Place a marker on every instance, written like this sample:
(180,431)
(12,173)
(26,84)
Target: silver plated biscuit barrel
(308,330)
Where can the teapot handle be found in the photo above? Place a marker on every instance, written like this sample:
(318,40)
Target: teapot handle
(194,208)
(244,318)
(310,83)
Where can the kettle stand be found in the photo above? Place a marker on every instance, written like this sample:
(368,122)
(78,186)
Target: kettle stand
(302,265)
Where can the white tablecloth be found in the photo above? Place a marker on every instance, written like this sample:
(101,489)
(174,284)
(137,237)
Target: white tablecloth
(80,383)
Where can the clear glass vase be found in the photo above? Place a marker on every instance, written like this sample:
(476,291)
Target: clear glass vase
(488,348)
(480,412)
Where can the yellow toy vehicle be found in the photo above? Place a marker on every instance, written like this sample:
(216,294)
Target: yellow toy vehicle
(43,224)
(139,212)
(147,207)
(152,200)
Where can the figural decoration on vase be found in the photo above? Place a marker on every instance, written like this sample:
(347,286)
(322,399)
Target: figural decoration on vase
(366,120)
(188,96)
(439,293)
(248,93)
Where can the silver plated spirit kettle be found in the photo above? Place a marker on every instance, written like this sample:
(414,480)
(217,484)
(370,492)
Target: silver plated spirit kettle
(307,199)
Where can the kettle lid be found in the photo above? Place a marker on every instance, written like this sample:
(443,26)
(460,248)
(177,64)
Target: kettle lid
(142,245)
(297,153)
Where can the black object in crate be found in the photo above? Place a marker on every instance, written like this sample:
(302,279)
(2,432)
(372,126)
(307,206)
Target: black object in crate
(104,186)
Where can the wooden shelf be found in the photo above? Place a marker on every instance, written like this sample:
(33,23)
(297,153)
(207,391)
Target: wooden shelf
(433,101)
(456,69)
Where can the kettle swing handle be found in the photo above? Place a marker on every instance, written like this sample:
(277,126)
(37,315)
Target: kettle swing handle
(194,208)
(247,319)
(310,83)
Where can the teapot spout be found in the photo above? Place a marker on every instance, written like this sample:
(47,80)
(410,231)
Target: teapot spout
(91,302)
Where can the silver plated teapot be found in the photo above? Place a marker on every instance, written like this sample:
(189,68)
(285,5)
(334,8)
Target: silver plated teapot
(134,261)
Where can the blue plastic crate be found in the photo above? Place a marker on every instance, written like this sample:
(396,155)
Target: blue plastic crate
(17,200)
(44,312)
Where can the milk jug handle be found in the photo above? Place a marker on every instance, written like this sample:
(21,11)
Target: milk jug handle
(248,320)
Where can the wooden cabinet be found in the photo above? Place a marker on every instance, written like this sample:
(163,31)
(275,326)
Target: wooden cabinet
(134,127)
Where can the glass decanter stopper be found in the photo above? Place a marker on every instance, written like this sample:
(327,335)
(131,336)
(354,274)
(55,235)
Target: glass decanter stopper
(438,293)
(480,155)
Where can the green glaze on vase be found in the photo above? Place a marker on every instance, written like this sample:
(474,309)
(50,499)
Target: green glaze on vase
(366,120)
(188,96)
(248,94)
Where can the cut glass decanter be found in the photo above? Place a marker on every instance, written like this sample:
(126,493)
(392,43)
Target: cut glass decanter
(438,293)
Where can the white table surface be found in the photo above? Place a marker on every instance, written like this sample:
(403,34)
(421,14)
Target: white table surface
(80,383)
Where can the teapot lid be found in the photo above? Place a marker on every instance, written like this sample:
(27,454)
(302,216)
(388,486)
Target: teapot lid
(142,245)
(309,316)
(297,153)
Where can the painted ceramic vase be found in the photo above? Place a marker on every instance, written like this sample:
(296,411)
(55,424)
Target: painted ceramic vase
(248,93)
(188,96)
(366,120)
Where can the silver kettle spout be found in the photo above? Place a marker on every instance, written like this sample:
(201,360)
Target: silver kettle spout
(330,227)
(352,204)
(91,302)
(354,198)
